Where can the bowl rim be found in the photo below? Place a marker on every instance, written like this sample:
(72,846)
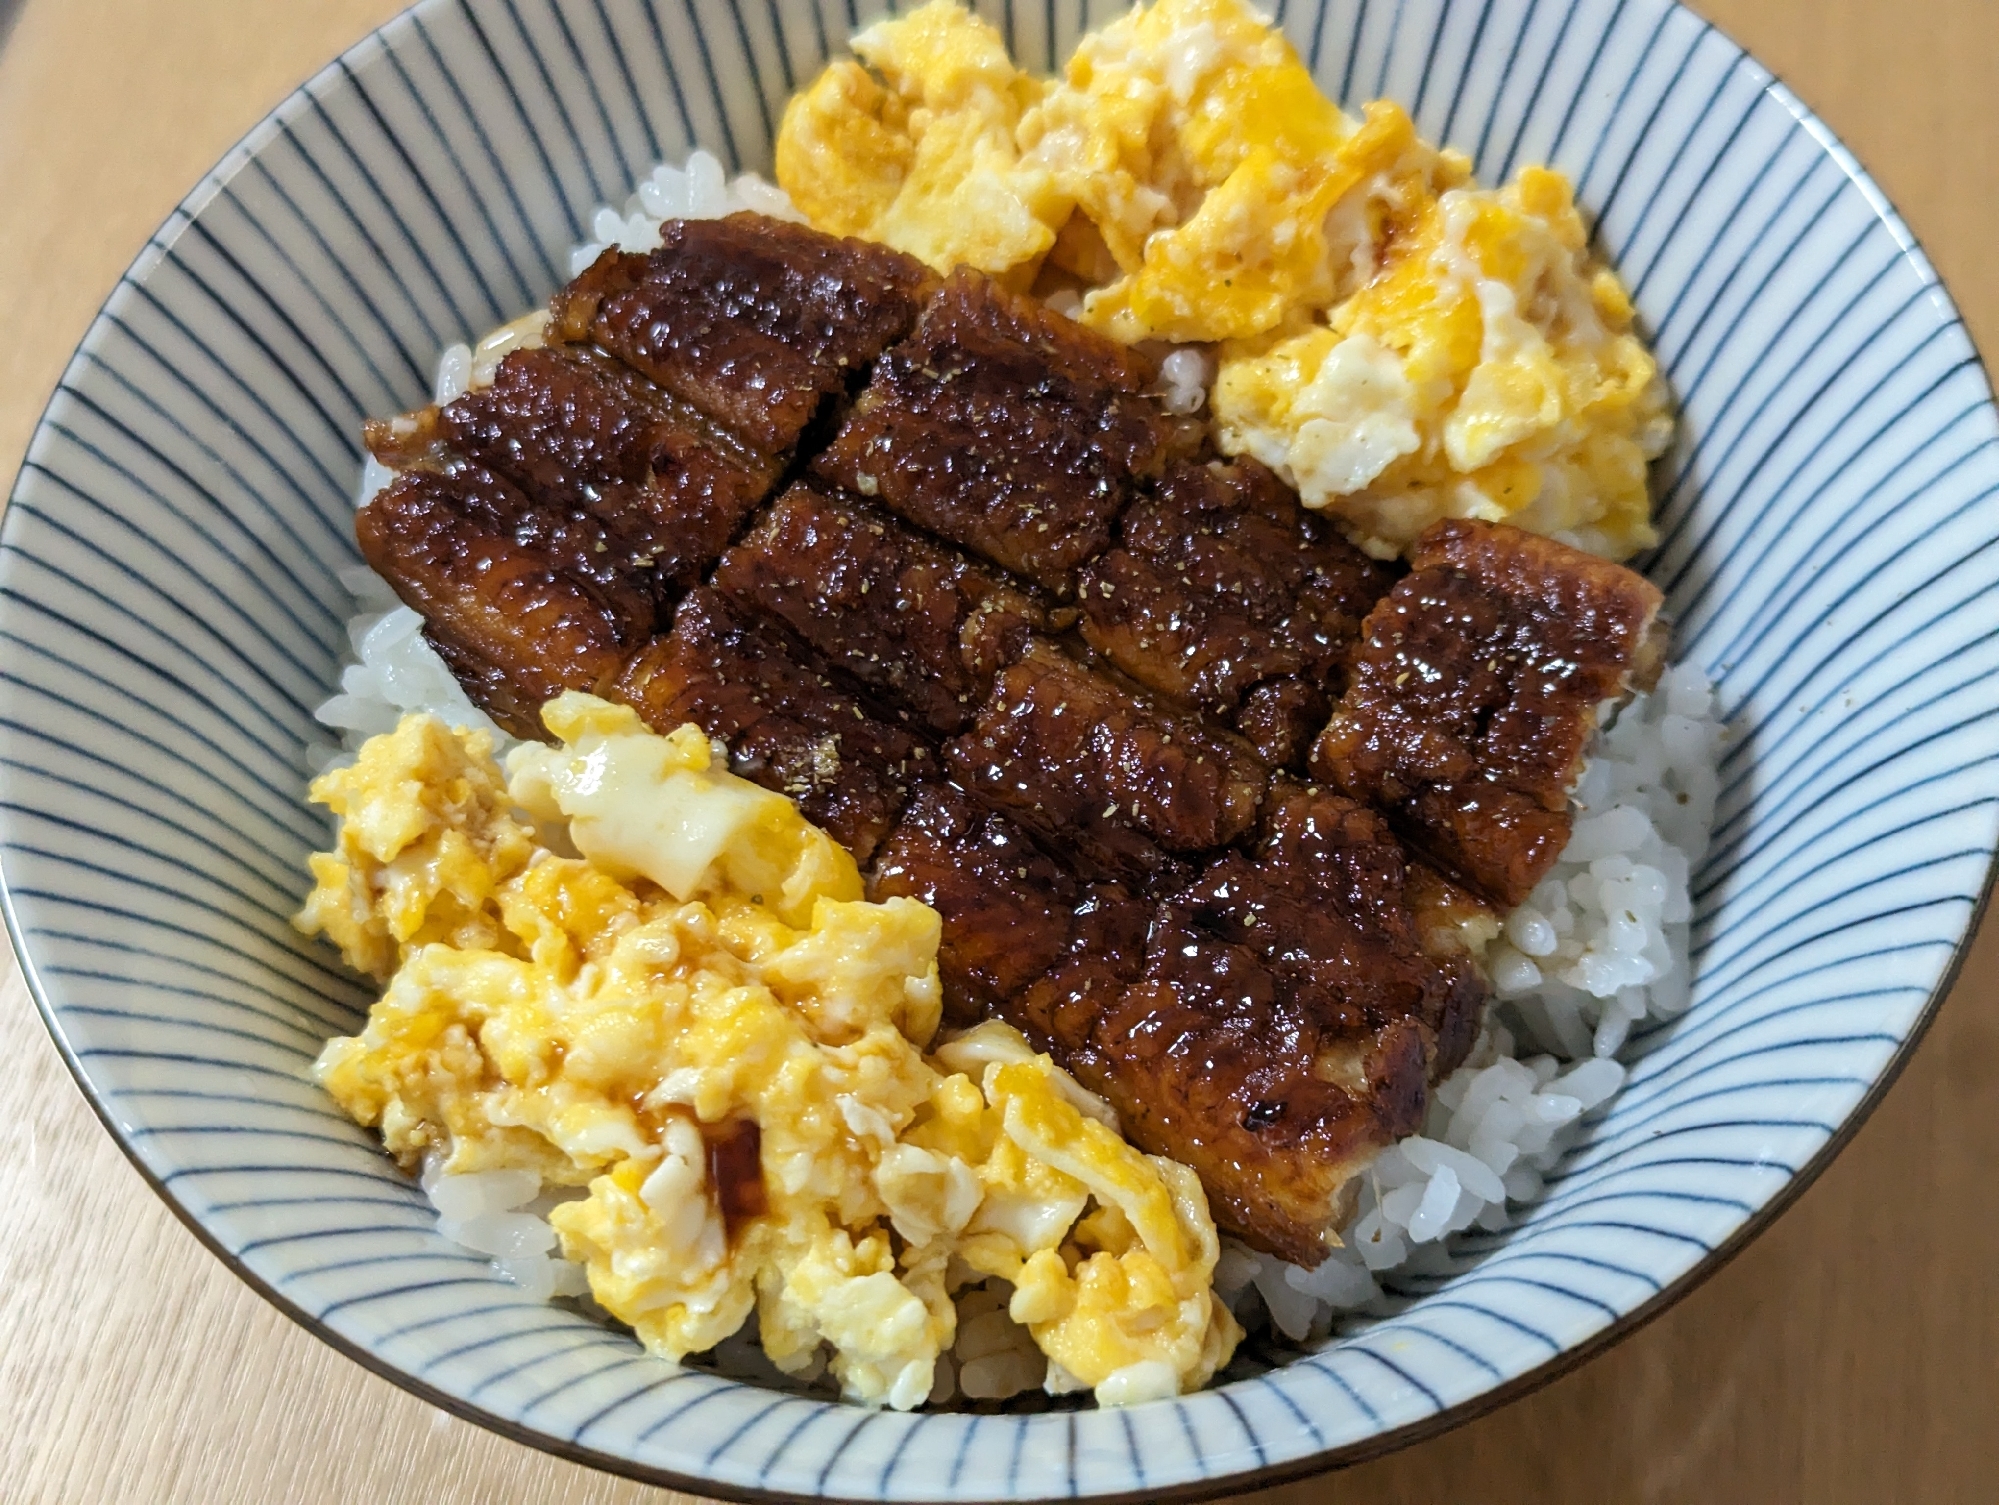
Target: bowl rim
(1379,1444)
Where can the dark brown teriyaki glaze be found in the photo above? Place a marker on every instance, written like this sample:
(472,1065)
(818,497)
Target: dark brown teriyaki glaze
(1024,938)
(1474,695)
(1094,769)
(1004,428)
(735,1171)
(756,322)
(1221,583)
(917,623)
(787,724)
(577,430)
(1289,1021)
(515,627)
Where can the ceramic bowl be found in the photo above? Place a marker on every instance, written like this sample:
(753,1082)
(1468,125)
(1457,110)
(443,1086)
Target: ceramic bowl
(171,613)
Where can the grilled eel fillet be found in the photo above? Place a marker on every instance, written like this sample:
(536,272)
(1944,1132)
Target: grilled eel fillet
(1474,693)
(660,489)
(1250,967)
(1274,1023)
(787,724)
(1094,769)
(1001,426)
(758,323)
(916,623)
(1223,594)
(513,624)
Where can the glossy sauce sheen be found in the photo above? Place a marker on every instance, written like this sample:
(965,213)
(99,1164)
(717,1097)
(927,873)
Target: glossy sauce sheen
(735,1170)
(515,627)
(1474,695)
(1249,968)
(914,621)
(1005,428)
(787,724)
(1287,1021)
(1023,936)
(753,321)
(1222,585)
(578,431)
(1082,762)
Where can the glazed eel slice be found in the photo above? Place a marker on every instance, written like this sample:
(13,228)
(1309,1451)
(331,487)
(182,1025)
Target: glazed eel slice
(1103,773)
(761,324)
(1007,429)
(1179,873)
(787,724)
(583,435)
(1474,694)
(1288,1023)
(576,479)
(1024,939)
(915,622)
(1223,594)
(465,549)
(1274,1024)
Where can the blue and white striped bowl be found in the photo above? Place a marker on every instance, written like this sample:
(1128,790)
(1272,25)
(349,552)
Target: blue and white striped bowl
(170,614)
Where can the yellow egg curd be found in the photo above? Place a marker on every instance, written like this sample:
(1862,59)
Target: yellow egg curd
(1398,343)
(618,958)
(1489,370)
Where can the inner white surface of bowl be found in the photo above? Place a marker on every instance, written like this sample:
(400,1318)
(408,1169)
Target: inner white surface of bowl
(171,614)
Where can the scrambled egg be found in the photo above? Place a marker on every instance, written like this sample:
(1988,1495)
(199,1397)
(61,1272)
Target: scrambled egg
(1400,344)
(708,963)
(1186,162)
(925,159)
(1226,189)
(1487,371)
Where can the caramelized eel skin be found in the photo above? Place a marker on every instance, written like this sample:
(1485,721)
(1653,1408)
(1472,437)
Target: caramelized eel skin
(915,622)
(1280,717)
(1091,768)
(580,432)
(1007,429)
(1254,970)
(755,322)
(1474,693)
(574,453)
(1273,1024)
(1024,938)
(787,724)
(515,627)
(1223,594)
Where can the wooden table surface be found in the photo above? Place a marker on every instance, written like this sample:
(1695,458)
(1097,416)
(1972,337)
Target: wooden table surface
(1850,1355)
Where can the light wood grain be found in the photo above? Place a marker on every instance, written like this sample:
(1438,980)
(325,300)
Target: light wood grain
(1848,1356)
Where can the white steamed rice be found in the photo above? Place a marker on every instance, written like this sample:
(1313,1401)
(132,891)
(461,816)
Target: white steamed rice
(1599,947)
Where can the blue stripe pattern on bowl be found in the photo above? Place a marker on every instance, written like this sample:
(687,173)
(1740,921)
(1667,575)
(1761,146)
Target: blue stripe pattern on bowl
(170,613)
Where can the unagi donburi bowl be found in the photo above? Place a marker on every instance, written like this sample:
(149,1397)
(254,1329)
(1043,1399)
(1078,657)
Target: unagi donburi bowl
(171,613)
